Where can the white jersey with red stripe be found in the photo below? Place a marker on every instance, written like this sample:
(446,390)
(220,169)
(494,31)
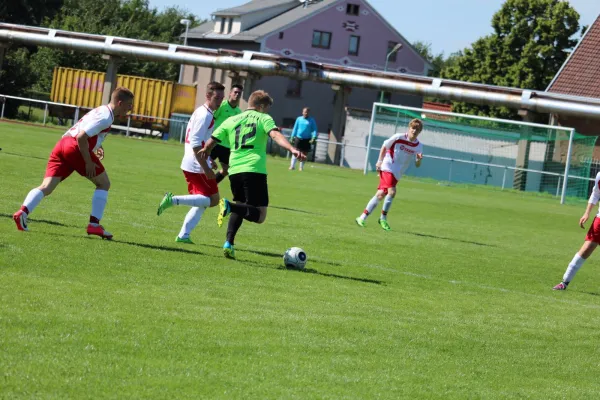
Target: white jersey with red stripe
(400,152)
(96,125)
(199,130)
(595,196)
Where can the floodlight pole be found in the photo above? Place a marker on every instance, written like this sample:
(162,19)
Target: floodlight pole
(567,167)
(371,128)
(387,59)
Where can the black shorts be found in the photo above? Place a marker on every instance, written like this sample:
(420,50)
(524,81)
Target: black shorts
(302,144)
(250,188)
(220,153)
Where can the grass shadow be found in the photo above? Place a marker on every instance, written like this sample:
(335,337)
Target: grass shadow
(277,255)
(42,221)
(350,278)
(425,235)
(295,210)
(24,155)
(156,247)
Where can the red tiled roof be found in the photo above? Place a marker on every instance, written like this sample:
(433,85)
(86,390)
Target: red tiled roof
(580,76)
(430,105)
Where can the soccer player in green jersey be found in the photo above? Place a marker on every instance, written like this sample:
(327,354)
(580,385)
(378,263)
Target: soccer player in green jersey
(247,135)
(229,107)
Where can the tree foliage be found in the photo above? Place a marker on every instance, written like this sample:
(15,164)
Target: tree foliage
(125,18)
(531,40)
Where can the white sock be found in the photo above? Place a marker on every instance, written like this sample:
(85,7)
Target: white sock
(99,203)
(193,200)
(192,219)
(293,164)
(370,207)
(301,164)
(387,204)
(33,199)
(573,267)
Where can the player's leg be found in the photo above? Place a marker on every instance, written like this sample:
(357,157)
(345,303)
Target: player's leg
(57,170)
(294,159)
(387,204)
(33,199)
(371,205)
(304,146)
(197,194)
(221,153)
(591,242)
(223,172)
(99,200)
(576,263)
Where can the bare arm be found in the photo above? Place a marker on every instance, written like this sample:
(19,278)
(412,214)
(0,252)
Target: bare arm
(380,159)
(283,142)
(84,149)
(202,159)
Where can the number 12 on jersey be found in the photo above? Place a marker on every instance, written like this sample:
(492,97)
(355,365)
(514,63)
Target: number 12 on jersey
(243,135)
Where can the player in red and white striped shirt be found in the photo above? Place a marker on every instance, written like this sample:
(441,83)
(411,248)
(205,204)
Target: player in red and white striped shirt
(592,239)
(202,185)
(396,155)
(80,149)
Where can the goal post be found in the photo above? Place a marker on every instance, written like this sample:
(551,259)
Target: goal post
(462,148)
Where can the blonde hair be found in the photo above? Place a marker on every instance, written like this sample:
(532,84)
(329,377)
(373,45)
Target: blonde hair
(417,124)
(260,98)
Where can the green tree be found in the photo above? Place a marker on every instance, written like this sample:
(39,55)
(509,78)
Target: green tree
(531,39)
(125,18)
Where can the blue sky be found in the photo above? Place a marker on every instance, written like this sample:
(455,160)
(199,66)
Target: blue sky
(449,25)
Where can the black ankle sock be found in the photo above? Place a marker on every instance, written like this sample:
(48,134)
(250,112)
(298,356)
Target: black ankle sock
(235,222)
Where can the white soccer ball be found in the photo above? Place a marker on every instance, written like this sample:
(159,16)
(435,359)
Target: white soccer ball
(295,258)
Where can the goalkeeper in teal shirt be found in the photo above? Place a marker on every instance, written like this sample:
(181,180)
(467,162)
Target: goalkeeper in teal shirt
(303,136)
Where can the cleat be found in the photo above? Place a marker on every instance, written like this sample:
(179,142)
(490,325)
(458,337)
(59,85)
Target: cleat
(20,218)
(184,240)
(98,230)
(229,251)
(224,211)
(384,224)
(166,202)
(360,222)
(560,286)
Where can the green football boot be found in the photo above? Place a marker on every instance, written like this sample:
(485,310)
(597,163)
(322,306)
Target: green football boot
(384,224)
(166,202)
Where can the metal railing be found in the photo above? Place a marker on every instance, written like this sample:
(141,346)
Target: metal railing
(273,148)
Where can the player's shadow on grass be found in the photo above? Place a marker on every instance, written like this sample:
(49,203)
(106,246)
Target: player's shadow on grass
(41,221)
(350,278)
(24,155)
(155,247)
(450,239)
(280,256)
(294,210)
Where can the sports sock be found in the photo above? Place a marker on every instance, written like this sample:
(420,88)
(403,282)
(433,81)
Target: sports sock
(32,200)
(235,222)
(301,164)
(293,164)
(387,204)
(370,207)
(192,200)
(192,219)
(99,200)
(573,267)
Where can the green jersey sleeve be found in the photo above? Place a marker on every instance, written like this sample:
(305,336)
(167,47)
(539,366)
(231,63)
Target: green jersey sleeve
(267,122)
(223,132)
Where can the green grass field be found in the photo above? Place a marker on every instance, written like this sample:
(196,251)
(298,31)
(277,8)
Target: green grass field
(455,302)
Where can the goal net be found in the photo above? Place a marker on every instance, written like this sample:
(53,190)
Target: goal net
(487,151)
